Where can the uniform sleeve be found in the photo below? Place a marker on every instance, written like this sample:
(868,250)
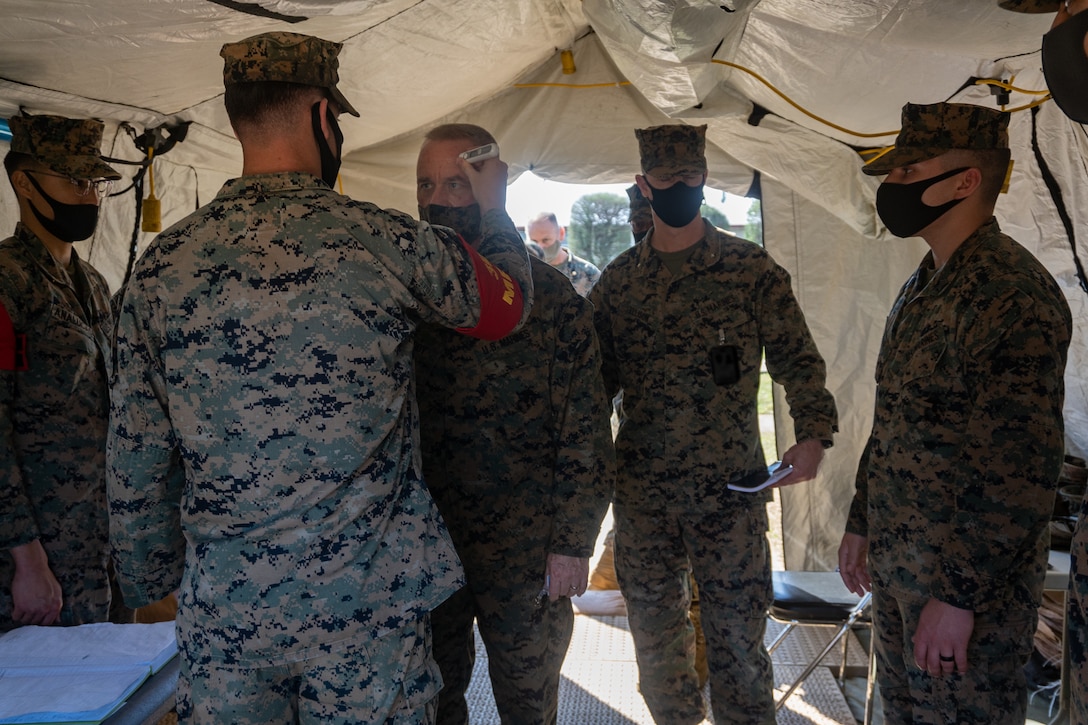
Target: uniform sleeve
(486,292)
(792,358)
(857,520)
(144,477)
(602,322)
(1013,443)
(585,460)
(17,524)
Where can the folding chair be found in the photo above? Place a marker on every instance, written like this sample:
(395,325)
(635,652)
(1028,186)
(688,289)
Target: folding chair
(810,598)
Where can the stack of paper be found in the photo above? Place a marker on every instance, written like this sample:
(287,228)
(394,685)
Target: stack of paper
(77,674)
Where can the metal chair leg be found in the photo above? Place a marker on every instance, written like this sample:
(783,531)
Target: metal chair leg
(842,632)
(870,685)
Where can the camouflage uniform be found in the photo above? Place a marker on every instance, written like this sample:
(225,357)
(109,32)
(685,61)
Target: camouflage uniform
(517,451)
(684,438)
(53,416)
(581,273)
(1076,620)
(956,484)
(263,446)
(639,214)
(54,399)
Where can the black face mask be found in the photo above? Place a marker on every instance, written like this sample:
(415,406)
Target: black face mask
(330,163)
(465,220)
(1065,66)
(902,210)
(678,204)
(70,222)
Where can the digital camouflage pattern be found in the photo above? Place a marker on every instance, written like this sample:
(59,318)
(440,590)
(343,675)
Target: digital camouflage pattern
(956,484)
(582,273)
(392,680)
(286,58)
(991,692)
(639,214)
(262,447)
(672,149)
(68,146)
(656,553)
(930,130)
(684,437)
(54,409)
(656,332)
(1032,6)
(1076,620)
(517,451)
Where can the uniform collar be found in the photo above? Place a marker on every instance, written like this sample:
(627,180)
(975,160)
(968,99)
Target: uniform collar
(708,250)
(271,184)
(40,255)
(940,280)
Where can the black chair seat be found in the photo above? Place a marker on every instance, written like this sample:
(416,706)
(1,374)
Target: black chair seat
(812,597)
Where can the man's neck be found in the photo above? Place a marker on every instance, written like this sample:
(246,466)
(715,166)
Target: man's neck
(948,234)
(673,239)
(560,257)
(280,155)
(60,250)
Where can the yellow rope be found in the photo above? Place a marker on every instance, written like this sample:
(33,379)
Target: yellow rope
(1009,87)
(805,111)
(613,84)
(879,152)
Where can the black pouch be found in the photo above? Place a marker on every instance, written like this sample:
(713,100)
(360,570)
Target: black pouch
(725,364)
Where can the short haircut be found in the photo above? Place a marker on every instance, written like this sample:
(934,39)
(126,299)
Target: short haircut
(993,164)
(460,132)
(266,103)
(545,216)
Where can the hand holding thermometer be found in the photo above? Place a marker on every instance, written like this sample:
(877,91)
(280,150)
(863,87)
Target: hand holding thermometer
(481,153)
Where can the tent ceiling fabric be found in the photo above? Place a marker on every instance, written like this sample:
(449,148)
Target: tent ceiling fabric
(410,64)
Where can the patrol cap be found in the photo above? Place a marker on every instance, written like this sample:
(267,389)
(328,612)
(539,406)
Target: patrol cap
(928,131)
(288,58)
(672,149)
(1031,6)
(68,146)
(639,213)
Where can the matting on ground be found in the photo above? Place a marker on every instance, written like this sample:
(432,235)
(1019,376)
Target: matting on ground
(599,685)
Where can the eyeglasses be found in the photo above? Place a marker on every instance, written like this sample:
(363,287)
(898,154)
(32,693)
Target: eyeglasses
(83,186)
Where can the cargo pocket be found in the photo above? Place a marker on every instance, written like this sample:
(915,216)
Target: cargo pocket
(421,683)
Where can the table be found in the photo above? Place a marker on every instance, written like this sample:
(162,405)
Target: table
(153,699)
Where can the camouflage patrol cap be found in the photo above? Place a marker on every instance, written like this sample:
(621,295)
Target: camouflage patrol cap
(672,149)
(69,146)
(1031,6)
(639,214)
(928,131)
(288,58)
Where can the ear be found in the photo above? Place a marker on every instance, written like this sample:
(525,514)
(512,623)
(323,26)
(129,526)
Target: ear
(562,233)
(969,182)
(21,183)
(323,114)
(640,182)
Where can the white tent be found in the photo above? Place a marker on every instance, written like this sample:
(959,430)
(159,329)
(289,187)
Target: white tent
(151,70)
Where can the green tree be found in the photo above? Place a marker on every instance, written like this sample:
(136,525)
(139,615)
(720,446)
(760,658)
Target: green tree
(714,216)
(753,231)
(598,227)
